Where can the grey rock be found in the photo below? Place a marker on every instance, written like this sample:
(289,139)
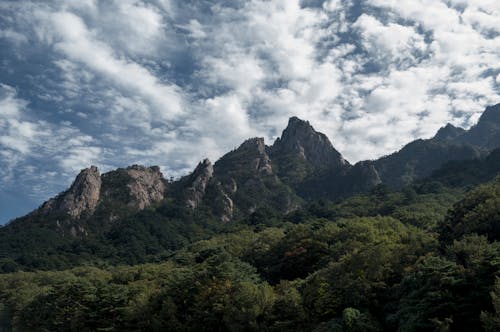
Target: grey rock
(198,182)
(147,185)
(225,207)
(448,133)
(80,199)
(300,139)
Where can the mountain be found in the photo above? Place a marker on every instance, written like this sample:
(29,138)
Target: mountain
(486,133)
(420,158)
(287,237)
(301,165)
(301,151)
(134,215)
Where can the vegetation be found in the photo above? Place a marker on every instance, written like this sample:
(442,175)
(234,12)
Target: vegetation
(426,258)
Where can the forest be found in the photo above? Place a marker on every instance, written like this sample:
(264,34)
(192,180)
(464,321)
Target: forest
(424,258)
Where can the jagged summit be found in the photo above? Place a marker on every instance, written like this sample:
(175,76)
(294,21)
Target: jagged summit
(449,132)
(81,198)
(300,138)
(302,164)
(197,183)
(136,186)
(255,142)
(491,115)
(251,156)
(486,133)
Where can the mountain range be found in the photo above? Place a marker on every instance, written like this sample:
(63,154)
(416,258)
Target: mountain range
(300,167)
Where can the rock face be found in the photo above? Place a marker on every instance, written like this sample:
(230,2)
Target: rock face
(486,133)
(249,158)
(147,185)
(448,133)
(362,177)
(198,182)
(223,204)
(300,139)
(136,186)
(80,199)
(262,163)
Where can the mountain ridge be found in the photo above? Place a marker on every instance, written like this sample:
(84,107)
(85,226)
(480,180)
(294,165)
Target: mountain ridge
(300,165)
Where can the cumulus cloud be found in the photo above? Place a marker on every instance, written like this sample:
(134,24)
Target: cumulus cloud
(27,143)
(170,82)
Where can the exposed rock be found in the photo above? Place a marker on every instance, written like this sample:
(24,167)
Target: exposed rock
(486,133)
(448,133)
(147,186)
(250,156)
(80,199)
(231,186)
(199,181)
(490,115)
(363,177)
(300,139)
(262,163)
(225,207)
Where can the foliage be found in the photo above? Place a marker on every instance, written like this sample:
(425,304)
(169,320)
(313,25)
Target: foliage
(425,258)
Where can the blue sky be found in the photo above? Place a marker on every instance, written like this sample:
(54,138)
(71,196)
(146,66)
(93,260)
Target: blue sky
(168,83)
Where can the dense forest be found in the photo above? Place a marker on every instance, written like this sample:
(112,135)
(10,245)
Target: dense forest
(425,258)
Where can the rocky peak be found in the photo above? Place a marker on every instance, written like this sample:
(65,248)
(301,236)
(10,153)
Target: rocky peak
(147,185)
(256,143)
(448,132)
(486,133)
(301,139)
(251,156)
(491,115)
(198,182)
(261,163)
(81,198)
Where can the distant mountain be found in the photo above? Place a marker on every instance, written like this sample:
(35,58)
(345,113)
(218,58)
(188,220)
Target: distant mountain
(486,133)
(301,165)
(420,158)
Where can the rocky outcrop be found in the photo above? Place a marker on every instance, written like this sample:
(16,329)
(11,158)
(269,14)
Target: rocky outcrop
(300,139)
(136,186)
(250,158)
(363,176)
(147,185)
(448,133)
(198,182)
(261,163)
(223,204)
(80,199)
(486,133)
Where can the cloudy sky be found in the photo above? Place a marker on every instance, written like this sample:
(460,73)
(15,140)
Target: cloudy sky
(165,82)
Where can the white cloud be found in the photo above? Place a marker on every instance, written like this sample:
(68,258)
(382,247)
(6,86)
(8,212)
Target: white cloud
(24,139)
(392,44)
(194,28)
(77,43)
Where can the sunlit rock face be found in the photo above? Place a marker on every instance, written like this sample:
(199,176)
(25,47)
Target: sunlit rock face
(81,198)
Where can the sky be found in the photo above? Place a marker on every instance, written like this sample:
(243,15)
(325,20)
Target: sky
(168,83)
